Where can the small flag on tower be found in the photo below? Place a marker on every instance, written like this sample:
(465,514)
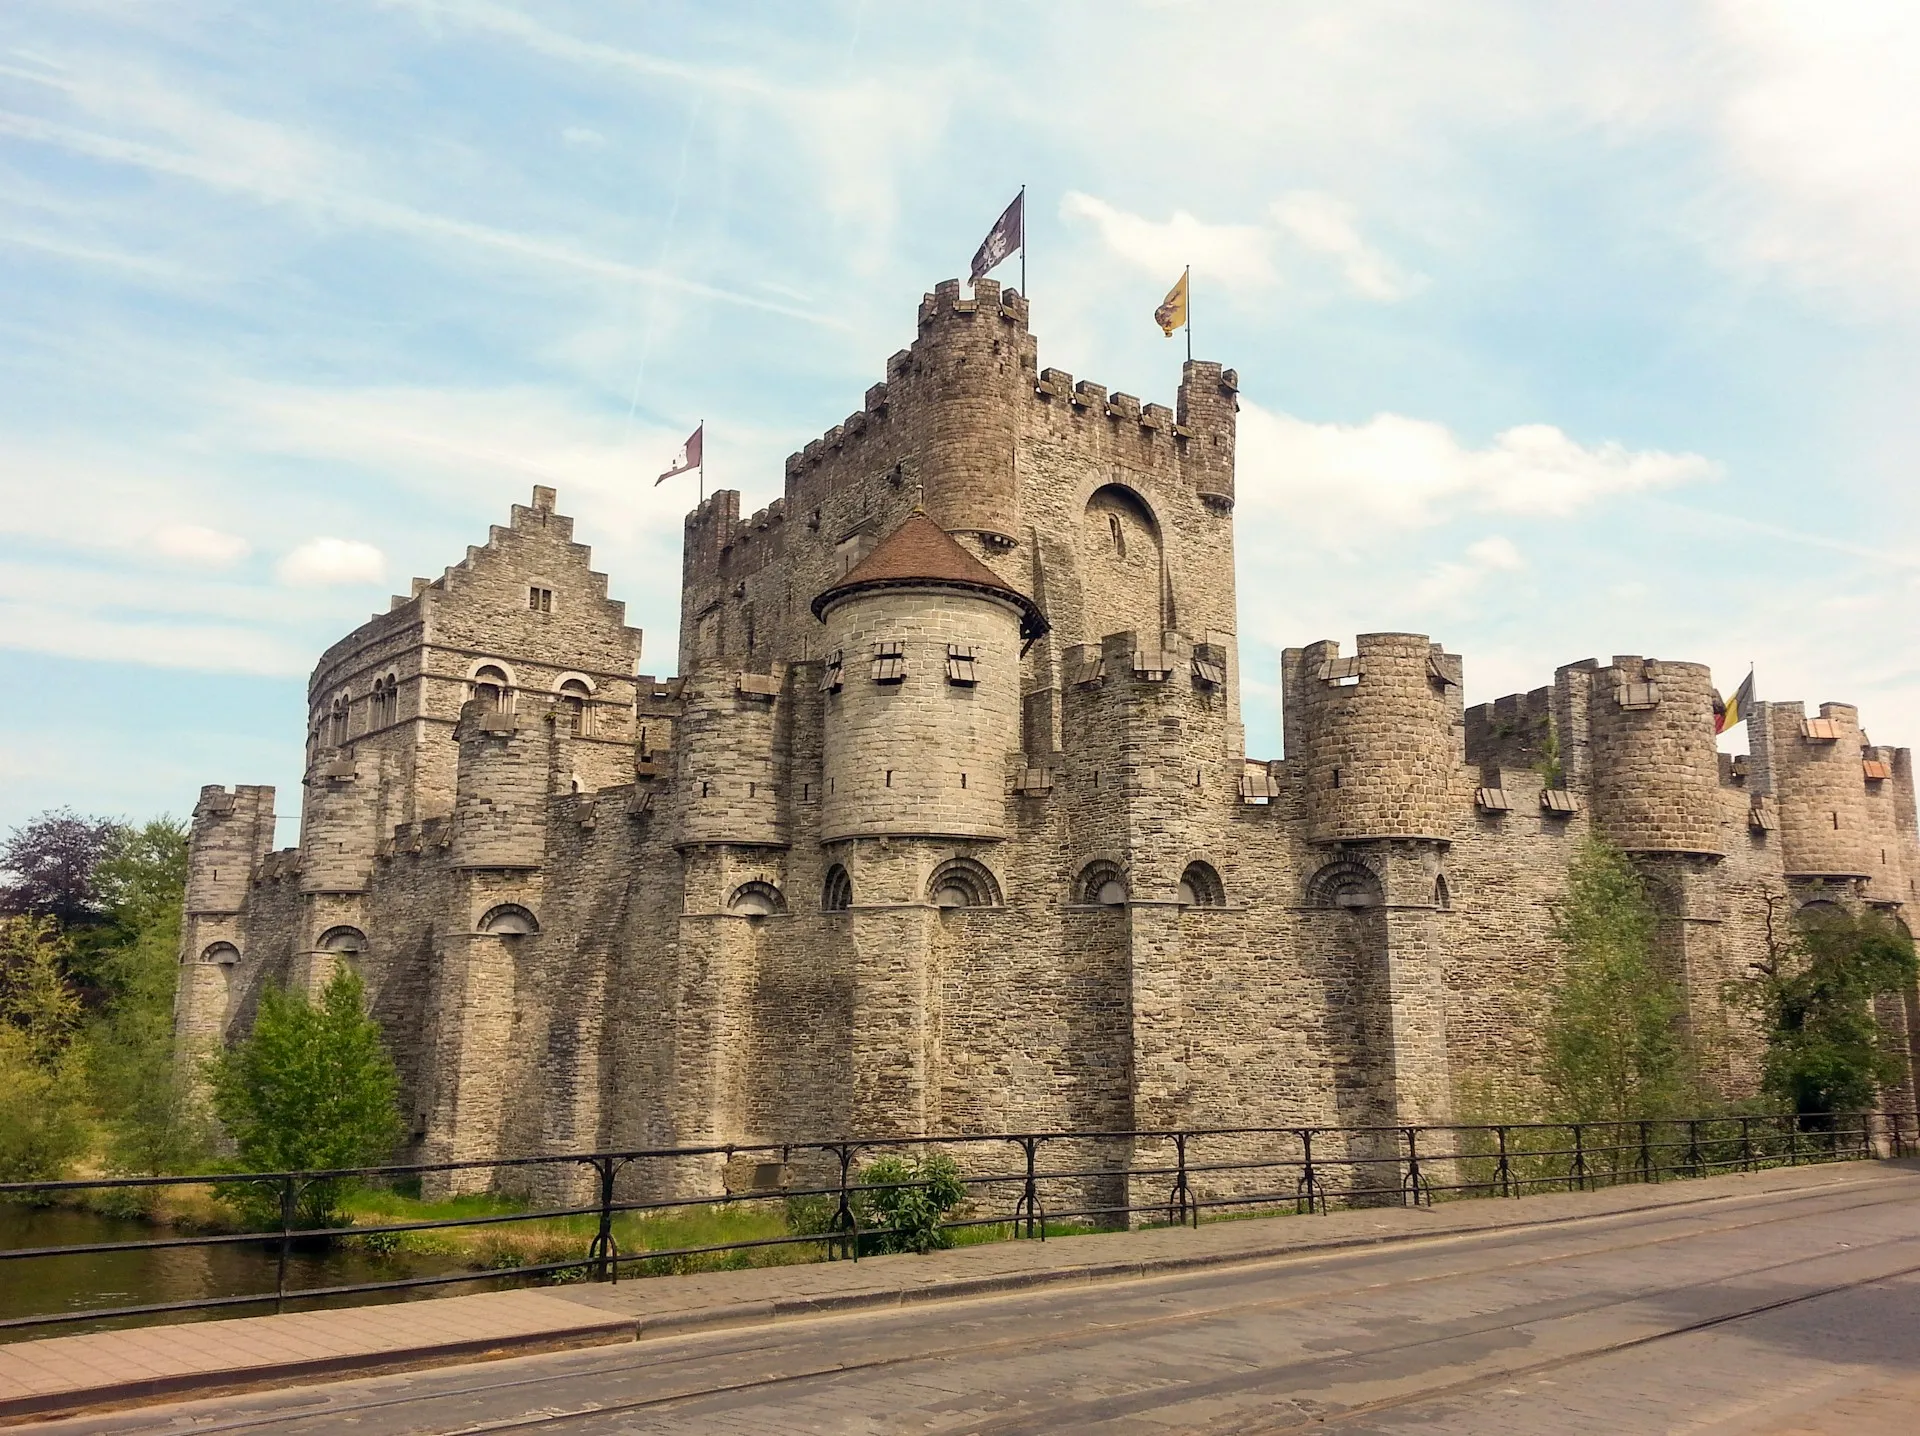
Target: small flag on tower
(687,458)
(1735,709)
(1009,233)
(1172,313)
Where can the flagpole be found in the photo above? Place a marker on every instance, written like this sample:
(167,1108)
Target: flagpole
(1186,282)
(1023,241)
(703,460)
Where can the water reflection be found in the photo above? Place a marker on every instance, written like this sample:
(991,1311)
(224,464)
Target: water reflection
(41,1286)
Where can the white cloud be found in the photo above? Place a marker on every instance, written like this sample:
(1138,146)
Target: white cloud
(1321,225)
(1408,473)
(1236,253)
(584,137)
(323,562)
(192,543)
(1325,225)
(1451,581)
(1818,108)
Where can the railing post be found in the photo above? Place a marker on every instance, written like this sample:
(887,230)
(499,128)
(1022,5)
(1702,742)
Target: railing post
(1646,1153)
(1503,1173)
(1307,1191)
(1027,1209)
(1746,1144)
(1180,1205)
(1693,1145)
(1578,1171)
(604,1254)
(1411,1187)
(287,1197)
(844,1229)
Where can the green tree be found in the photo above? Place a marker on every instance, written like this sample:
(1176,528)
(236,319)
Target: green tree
(1614,1050)
(1814,993)
(310,1087)
(43,1119)
(155,1123)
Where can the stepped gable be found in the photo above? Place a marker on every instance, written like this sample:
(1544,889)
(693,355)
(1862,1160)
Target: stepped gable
(921,554)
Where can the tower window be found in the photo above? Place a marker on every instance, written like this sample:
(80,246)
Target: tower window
(573,699)
(831,674)
(540,600)
(960,661)
(1119,533)
(836,894)
(889,661)
(490,687)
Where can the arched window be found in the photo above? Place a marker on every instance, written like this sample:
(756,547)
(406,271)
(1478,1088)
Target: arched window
(574,696)
(1442,895)
(337,720)
(490,686)
(1103,883)
(836,893)
(1200,886)
(223,953)
(343,940)
(1346,884)
(756,899)
(962,882)
(509,919)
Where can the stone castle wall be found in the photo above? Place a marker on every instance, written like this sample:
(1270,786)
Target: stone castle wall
(776,898)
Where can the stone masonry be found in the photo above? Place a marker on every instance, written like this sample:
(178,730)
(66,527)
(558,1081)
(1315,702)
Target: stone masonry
(947,822)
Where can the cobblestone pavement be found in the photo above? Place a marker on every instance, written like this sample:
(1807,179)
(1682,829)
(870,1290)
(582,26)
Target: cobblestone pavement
(1791,1312)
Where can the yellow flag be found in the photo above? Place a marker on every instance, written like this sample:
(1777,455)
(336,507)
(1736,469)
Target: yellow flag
(1172,312)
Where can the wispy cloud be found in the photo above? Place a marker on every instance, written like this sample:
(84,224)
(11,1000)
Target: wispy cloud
(327,562)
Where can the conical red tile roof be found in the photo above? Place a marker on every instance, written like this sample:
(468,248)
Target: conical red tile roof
(921,554)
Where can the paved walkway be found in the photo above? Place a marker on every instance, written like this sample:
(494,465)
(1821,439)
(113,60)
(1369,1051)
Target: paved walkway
(70,1373)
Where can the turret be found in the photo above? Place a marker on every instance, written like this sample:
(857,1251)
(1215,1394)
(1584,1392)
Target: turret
(231,833)
(975,362)
(1380,736)
(1207,408)
(503,782)
(731,752)
(341,819)
(922,682)
(1654,766)
(1813,768)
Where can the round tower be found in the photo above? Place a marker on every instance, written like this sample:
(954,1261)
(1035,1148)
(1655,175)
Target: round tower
(501,786)
(1814,767)
(340,820)
(974,366)
(1209,401)
(1381,734)
(922,685)
(1655,767)
(729,745)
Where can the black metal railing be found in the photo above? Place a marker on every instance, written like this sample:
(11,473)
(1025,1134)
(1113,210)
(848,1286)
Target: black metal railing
(1024,1183)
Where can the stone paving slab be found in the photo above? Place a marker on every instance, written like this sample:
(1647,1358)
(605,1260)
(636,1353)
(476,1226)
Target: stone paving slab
(67,1373)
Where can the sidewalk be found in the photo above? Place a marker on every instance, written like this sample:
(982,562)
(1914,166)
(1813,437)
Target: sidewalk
(70,1373)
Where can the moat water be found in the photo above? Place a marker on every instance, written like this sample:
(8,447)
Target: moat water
(46,1286)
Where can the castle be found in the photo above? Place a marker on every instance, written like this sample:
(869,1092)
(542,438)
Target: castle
(947,824)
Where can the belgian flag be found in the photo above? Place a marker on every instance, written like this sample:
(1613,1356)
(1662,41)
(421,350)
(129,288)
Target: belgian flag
(1735,709)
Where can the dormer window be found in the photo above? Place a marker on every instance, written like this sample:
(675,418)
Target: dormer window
(540,600)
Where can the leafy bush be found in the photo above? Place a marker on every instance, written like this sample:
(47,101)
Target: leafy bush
(310,1087)
(903,1201)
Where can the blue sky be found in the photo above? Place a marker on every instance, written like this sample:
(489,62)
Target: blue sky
(1563,330)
